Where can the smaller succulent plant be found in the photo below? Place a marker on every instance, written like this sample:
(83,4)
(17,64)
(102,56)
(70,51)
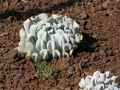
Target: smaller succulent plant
(44,71)
(99,81)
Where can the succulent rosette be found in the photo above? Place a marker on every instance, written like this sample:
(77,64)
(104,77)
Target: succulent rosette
(46,37)
(99,81)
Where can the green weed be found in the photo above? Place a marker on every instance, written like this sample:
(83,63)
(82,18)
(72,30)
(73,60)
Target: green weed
(44,71)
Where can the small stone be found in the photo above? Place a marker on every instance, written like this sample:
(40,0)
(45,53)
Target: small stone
(68,88)
(101,38)
(110,6)
(13,54)
(54,61)
(110,53)
(1,66)
(87,60)
(54,88)
(7,67)
(76,60)
(71,69)
(84,15)
(82,22)
(17,76)
(9,18)
(27,58)
(29,76)
(102,52)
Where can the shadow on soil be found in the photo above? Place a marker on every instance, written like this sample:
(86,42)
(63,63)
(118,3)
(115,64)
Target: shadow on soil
(86,45)
(20,14)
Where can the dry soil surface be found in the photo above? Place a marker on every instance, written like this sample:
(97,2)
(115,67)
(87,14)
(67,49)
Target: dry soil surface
(99,50)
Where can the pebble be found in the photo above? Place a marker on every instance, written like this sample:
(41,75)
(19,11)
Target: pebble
(1,66)
(84,15)
(13,54)
(102,52)
(54,88)
(110,6)
(9,18)
(17,76)
(82,22)
(71,69)
(110,53)
(101,38)
(7,67)
(68,88)
(54,61)
(76,60)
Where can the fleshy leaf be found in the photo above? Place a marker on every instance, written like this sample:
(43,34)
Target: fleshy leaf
(96,75)
(60,31)
(82,83)
(22,34)
(107,73)
(50,46)
(51,20)
(21,48)
(92,82)
(71,51)
(77,39)
(75,47)
(40,44)
(60,25)
(26,25)
(67,47)
(56,53)
(102,77)
(65,54)
(51,31)
(68,31)
(35,19)
(43,16)
(39,26)
(48,24)
(44,53)
(42,34)
(88,79)
(30,47)
(66,36)
(33,30)
(79,35)
(36,57)
(58,41)
(62,41)
(69,20)
(66,25)
(30,38)
(75,27)
(72,41)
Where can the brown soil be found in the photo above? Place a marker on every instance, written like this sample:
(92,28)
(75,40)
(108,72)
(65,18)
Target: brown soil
(99,50)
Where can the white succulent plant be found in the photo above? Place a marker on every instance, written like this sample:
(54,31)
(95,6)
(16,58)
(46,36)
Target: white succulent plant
(99,81)
(46,37)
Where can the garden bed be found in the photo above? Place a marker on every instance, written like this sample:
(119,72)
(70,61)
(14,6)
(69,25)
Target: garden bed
(99,49)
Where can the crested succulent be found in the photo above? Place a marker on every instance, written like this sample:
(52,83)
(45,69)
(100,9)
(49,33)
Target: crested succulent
(99,81)
(46,37)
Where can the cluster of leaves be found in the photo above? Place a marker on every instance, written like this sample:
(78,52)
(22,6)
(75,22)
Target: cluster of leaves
(44,71)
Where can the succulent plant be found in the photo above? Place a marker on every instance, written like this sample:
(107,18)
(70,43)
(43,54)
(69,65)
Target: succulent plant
(99,81)
(46,37)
